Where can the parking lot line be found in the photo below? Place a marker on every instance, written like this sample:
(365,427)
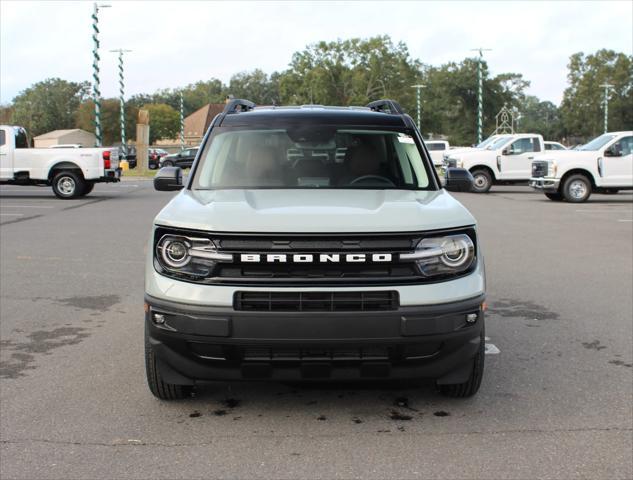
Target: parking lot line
(25,206)
(11,214)
(625,220)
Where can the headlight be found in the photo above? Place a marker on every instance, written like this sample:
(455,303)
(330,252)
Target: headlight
(188,256)
(448,255)
(552,168)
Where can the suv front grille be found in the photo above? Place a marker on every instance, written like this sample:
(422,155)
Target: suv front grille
(316,301)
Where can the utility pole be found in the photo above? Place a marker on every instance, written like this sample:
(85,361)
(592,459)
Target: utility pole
(418,87)
(121,51)
(96,93)
(607,87)
(480,91)
(182,122)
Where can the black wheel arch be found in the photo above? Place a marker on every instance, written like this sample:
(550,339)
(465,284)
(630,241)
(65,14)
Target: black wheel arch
(578,171)
(65,165)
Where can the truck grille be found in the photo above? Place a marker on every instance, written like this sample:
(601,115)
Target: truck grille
(539,168)
(316,301)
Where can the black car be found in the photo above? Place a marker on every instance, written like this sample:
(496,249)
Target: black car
(182,159)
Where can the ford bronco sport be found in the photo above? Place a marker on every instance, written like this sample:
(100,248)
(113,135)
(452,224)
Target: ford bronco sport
(313,243)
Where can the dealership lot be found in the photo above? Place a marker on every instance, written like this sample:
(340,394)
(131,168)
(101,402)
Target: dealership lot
(555,400)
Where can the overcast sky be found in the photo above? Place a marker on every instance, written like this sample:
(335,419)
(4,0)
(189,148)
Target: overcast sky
(175,43)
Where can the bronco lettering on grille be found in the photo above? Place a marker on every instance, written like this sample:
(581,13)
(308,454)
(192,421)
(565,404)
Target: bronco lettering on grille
(314,258)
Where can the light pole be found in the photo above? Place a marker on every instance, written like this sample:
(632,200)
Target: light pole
(182,122)
(607,87)
(418,87)
(121,51)
(480,91)
(96,93)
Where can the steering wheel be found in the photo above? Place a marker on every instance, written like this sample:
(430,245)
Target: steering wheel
(380,178)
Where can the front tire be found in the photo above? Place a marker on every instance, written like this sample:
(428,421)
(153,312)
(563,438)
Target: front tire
(483,181)
(577,188)
(68,184)
(470,387)
(168,163)
(158,387)
(555,197)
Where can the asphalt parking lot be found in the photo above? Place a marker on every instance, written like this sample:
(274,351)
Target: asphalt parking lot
(556,400)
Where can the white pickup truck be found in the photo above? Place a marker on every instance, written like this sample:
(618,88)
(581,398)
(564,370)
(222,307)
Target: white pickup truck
(437,149)
(507,159)
(604,165)
(72,172)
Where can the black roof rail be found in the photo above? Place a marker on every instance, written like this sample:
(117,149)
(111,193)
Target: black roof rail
(386,106)
(238,105)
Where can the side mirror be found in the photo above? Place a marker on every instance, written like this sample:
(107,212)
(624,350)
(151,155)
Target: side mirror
(458,180)
(612,152)
(168,179)
(507,151)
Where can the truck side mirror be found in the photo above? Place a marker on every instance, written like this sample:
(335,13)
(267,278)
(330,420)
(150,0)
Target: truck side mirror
(168,179)
(507,151)
(612,151)
(458,180)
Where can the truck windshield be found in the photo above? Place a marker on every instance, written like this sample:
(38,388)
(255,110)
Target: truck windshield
(498,142)
(597,143)
(314,157)
(487,141)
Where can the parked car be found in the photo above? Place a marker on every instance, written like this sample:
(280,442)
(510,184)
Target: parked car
(437,148)
(604,165)
(182,159)
(313,267)
(554,146)
(506,160)
(155,156)
(72,172)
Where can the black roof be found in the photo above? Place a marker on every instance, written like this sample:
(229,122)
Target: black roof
(313,116)
(381,113)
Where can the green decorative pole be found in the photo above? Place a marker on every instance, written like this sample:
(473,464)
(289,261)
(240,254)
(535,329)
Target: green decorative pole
(419,104)
(182,122)
(606,87)
(96,93)
(480,92)
(120,51)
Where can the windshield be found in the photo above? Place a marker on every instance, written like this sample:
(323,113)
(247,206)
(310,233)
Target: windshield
(487,142)
(597,143)
(498,142)
(314,157)
(435,146)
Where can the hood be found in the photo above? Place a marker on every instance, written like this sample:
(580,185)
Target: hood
(328,211)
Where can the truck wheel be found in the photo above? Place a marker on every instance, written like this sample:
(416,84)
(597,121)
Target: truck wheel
(483,181)
(577,188)
(88,188)
(469,388)
(168,163)
(67,185)
(556,197)
(158,387)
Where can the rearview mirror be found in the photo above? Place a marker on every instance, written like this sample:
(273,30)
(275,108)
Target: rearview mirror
(168,179)
(458,180)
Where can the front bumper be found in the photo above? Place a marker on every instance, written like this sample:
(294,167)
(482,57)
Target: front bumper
(545,184)
(203,343)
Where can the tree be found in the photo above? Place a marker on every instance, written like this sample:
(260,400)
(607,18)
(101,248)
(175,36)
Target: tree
(110,120)
(164,121)
(350,72)
(449,99)
(540,117)
(49,105)
(582,108)
(256,86)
